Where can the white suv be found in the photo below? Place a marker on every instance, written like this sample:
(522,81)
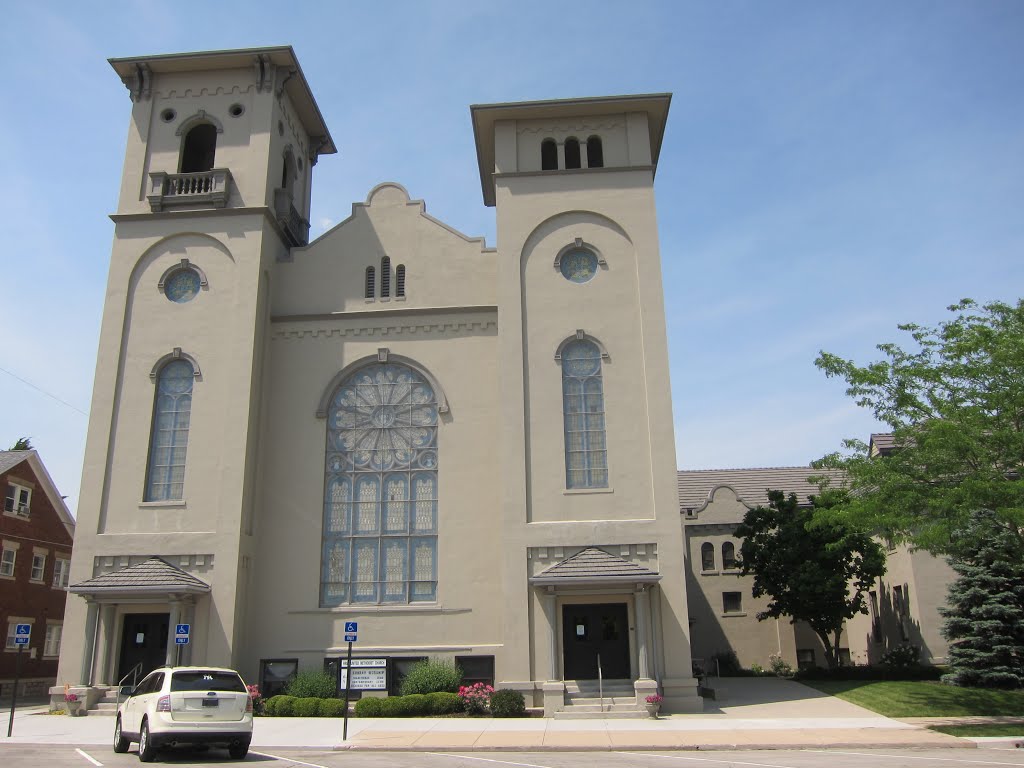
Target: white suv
(185,705)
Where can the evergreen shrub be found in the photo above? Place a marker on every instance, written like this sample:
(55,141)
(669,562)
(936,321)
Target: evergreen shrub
(332,707)
(432,676)
(371,707)
(508,703)
(444,703)
(308,706)
(280,706)
(394,706)
(312,683)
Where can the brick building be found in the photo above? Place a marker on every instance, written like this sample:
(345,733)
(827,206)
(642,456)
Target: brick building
(36,531)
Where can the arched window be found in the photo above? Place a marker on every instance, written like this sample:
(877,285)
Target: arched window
(199,149)
(548,155)
(728,555)
(385,277)
(288,172)
(586,455)
(400,280)
(172,408)
(572,153)
(371,279)
(595,152)
(380,489)
(707,556)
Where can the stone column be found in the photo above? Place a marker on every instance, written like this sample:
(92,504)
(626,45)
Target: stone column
(172,622)
(584,159)
(561,155)
(641,603)
(88,657)
(108,651)
(549,612)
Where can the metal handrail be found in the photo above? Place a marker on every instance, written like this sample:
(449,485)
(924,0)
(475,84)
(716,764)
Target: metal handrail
(600,683)
(134,674)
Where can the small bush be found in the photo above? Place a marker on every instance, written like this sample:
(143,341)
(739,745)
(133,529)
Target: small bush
(444,703)
(371,707)
(901,657)
(308,706)
(476,698)
(432,676)
(311,683)
(280,706)
(394,706)
(508,703)
(780,666)
(332,708)
(417,704)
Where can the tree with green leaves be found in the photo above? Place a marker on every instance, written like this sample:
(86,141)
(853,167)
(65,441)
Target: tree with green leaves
(985,611)
(955,403)
(22,444)
(815,571)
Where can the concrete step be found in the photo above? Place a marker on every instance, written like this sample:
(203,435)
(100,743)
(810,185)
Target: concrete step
(578,701)
(571,714)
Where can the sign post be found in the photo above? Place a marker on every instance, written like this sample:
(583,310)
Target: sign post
(351,629)
(181,633)
(22,635)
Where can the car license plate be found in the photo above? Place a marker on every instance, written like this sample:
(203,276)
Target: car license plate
(211,702)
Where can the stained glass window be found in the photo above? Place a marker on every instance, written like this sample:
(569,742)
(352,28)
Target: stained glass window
(586,453)
(165,474)
(182,286)
(380,489)
(578,266)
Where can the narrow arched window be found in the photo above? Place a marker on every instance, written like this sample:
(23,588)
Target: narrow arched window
(595,152)
(586,455)
(380,489)
(199,149)
(371,278)
(572,153)
(400,280)
(288,172)
(385,277)
(548,155)
(707,556)
(728,555)
(172,409)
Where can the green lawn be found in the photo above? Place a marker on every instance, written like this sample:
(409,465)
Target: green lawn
(981,730)
(923,699)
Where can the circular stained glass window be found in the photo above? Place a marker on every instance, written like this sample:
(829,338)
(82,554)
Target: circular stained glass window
(578,266)
(182,286)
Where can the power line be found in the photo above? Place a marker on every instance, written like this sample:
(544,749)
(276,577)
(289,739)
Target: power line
(43,391)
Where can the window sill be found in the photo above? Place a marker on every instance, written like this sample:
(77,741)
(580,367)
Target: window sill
(583,491)
(709,573)
(62,588)
(16,516)
(733,571)
(373,608)
(5,577)
(37,581)
(732,614)
(171,503)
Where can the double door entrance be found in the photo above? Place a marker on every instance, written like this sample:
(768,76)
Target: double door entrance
(143,640)
(594,634)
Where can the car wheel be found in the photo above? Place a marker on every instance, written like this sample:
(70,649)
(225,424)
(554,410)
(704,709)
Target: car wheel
(120,742)
(238,751)
(146,751)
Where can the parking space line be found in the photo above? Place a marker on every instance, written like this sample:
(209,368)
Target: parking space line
(90,758)
(706,760)
(288,759)
(485,759)
(910,757)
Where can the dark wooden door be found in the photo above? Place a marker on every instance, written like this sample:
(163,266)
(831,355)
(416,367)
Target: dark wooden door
(596,631)
(143,639)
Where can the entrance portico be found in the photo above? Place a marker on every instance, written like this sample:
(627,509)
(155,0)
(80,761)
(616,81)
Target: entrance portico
(599,623)
(131,617)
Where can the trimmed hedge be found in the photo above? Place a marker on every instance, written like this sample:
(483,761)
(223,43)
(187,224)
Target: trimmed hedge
(280,706)
(444,703)
(371,707)
(308,706)
(508,703)
(311,683)
(332,707)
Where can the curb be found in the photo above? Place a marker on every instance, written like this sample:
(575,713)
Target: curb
(774,746)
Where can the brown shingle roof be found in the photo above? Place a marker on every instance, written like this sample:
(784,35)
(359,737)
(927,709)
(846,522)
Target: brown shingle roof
(10,459)
(751,485)
(593,564)
(152,575)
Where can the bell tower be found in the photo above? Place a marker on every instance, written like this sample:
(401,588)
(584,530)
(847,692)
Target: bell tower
(588,435)
(215,189)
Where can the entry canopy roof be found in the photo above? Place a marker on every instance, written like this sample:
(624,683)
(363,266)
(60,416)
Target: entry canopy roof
(154,576)
(594,566)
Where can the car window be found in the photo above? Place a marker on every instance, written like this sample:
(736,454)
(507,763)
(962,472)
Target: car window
(146,686)
(207,680)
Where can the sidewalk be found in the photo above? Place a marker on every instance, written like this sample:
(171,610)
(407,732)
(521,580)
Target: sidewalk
(756,714)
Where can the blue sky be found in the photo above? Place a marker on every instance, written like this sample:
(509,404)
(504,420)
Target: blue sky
(830,169)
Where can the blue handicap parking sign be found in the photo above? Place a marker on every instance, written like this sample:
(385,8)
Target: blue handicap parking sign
(351,627)
(350,638)
(22,633)
(181,629)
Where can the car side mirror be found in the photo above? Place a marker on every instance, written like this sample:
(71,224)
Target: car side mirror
(126,690)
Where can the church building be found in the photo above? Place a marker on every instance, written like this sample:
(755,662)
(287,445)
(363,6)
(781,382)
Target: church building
(465,450)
